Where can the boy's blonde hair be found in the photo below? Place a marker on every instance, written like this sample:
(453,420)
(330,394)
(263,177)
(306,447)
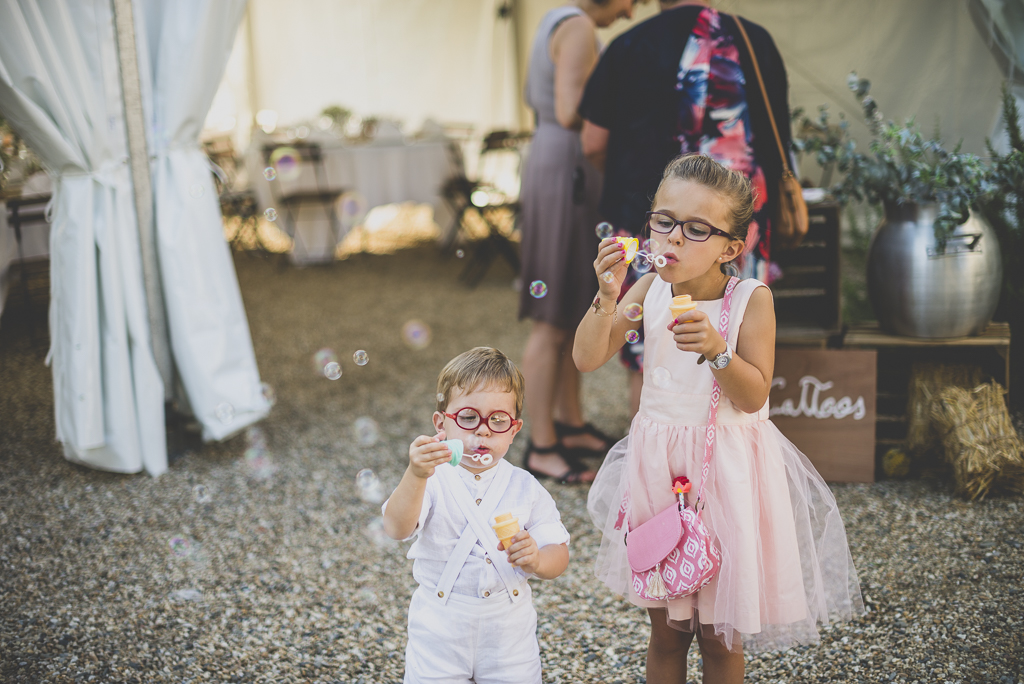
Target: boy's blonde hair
(480,367)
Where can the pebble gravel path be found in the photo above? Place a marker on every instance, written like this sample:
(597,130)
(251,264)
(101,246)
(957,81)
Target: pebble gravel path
(256,560)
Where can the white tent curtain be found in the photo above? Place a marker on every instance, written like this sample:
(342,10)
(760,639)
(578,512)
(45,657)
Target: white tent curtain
(60,89)
(183,48)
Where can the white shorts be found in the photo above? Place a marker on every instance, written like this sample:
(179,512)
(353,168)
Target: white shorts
(469,639)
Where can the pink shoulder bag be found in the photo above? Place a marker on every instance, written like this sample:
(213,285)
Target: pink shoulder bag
(671,555)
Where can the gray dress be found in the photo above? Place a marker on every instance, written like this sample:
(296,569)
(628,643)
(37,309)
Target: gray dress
(558,219)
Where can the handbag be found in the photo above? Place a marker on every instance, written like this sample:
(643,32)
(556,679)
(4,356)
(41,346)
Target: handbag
(672,554)
(791,221)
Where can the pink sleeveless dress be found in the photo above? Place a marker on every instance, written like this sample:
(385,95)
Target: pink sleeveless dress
(786,566)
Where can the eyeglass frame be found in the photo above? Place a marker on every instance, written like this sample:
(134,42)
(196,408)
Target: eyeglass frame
(675,222)
(483,421)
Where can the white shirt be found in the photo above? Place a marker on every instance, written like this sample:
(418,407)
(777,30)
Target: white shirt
(441,525)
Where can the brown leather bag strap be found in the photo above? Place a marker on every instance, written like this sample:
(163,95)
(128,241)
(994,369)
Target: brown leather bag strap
(764,94)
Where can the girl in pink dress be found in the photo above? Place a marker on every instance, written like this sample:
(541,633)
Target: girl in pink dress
(786,567)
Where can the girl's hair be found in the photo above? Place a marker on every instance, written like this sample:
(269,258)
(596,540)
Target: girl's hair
(731,185)
(480,367)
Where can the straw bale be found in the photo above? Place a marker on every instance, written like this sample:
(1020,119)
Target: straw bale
(980,441)
(927,380)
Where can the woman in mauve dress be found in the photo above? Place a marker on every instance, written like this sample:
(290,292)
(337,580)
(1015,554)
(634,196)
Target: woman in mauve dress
(559,213)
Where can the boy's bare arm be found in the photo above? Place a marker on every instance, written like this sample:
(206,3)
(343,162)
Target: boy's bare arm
(404,506)
(547,562)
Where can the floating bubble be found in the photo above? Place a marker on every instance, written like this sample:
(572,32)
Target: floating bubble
(225,412)
(259,463)
(649,246)
(632,336)
(269,173)
(286,161)
(459,253)
(662,377)
(416,334)
(325,362)
(660,261)
(201,494)
(271,214)
(633,312)
(538,288)
(604,230)
(268,393)
(196,190)
(361,357)
(366,431)
(180,546)
(642,264)
(369,486)
(375,532)
(440,397)
(607,276)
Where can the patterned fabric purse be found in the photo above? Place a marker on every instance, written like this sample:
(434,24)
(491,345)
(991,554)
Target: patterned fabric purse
(672,555)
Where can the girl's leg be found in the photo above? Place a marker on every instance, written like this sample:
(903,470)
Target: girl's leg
(666,652)
(568,409)
(721,665)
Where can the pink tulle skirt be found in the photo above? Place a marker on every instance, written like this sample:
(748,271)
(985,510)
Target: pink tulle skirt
(786,566)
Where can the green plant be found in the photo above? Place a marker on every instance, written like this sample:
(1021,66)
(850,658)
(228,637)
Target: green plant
(902,165)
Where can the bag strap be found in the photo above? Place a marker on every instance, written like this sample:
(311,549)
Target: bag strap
(716,392)
(764,93)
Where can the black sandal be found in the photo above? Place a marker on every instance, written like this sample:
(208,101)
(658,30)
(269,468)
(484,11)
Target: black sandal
(571,476)
(563,430)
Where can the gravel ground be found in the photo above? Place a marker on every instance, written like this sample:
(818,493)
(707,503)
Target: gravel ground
(267,566)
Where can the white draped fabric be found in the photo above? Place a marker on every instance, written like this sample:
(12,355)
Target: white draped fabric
(60,89)
(183,48)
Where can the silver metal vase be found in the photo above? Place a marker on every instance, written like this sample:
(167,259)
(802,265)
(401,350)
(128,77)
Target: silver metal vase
(919,290)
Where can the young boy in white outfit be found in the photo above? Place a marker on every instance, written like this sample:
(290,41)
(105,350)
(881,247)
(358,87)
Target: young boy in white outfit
(472,618)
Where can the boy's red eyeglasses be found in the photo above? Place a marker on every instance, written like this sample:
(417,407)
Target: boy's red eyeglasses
(469,419)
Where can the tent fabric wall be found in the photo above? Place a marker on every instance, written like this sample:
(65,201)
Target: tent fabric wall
(60,89)
(451,60)
(183,48)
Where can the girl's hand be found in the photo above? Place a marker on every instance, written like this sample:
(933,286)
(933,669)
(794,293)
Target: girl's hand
(523,552)
(426,453)
(611,258)
(695,333)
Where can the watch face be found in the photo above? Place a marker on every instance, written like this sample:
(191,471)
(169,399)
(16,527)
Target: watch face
(722,360)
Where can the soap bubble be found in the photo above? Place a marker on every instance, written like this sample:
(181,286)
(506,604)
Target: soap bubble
(269,173)
(201,494)
(538,288)
(180,546)
(361,357)
(286,161)
(632,336)
(642,263)
(259,463)
(662,377)
(196,190)
(604,230)
(660,261)
(649,245)
(416,334)
(375,532)
(366,431)
(224,412)
(633,312)
(459,253)
(607,276)
(271,214)
(440,397)
(268,393)
(369,486)
(325,362)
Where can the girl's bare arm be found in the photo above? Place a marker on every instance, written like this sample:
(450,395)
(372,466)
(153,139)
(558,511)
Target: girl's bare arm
(574,52)
(748,377)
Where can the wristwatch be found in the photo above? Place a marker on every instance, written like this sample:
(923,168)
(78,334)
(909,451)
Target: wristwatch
(722,360)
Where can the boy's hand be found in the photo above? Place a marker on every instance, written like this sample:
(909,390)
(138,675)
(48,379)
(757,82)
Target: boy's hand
(693,332)
(611,258)
(523,552)
(426,453)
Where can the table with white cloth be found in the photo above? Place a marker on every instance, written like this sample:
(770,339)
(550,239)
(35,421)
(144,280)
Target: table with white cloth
(382,172)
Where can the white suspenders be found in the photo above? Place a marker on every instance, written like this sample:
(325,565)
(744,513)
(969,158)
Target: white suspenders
(477,531)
